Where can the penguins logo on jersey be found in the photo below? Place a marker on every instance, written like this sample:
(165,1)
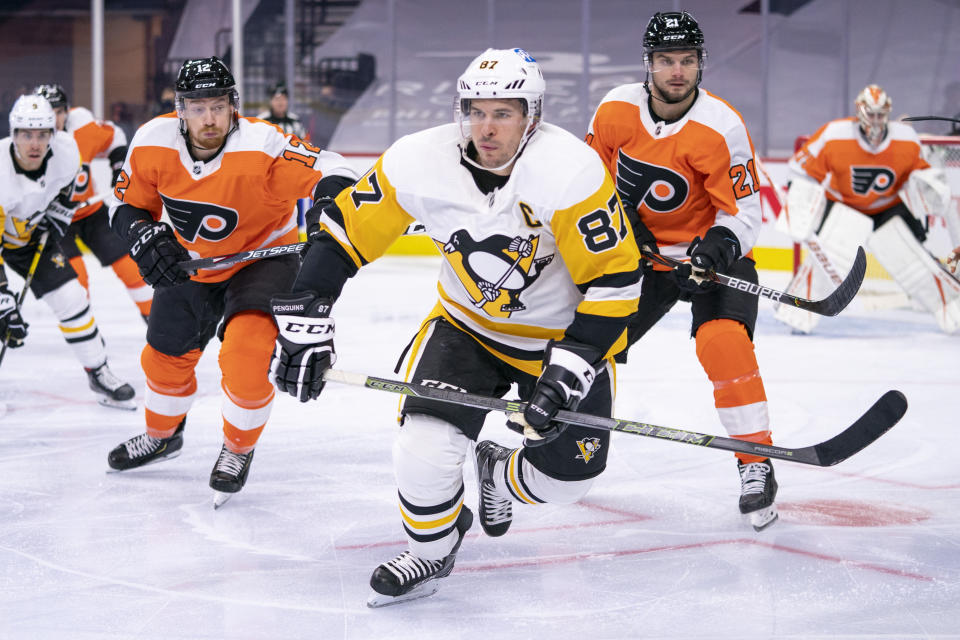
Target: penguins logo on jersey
(588,448)
(659,188)
(865,179)
(495,270)
(200,220)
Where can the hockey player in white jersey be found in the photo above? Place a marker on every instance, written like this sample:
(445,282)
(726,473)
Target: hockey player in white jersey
(38,166)
(540,275)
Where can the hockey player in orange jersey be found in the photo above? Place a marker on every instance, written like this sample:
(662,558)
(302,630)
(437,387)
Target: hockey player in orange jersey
(228,184)
(864,181)
(684,168)
(95,139)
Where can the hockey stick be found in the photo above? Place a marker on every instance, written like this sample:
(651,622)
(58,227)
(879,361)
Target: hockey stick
(230,259)
(813,245)
(878,419)
(921,118)
(26,284)
(829,306)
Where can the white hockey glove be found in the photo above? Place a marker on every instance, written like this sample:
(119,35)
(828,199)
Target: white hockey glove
(304,349)
(569,371)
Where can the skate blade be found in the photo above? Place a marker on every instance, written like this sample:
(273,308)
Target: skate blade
(377,600)
(126,405)
(763,518)
(220,498)
(152,462)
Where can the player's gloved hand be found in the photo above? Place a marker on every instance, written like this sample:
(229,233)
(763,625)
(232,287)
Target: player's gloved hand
(645,241)
(57,217)
(157,253)
(311,220)
(12,325)
(568,372)
(304,349)
(718,249)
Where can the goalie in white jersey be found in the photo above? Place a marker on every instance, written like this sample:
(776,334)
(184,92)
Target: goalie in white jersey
(38,166)
(540,275)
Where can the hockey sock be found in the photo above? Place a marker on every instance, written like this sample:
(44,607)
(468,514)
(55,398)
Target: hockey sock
(140,292)
(71,307)
(248,342)
(727,356)
(171,386)
(81,268)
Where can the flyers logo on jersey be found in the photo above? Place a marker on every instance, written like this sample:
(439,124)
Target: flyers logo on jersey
(496,269)
(659,188)
(865,179)
(200,220)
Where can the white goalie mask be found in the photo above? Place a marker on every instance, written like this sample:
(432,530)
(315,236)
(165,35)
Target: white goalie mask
(873,111)
(32,112)
(500,74)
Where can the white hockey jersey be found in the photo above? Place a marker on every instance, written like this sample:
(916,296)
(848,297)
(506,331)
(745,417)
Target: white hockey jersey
(22,198)
(520,262)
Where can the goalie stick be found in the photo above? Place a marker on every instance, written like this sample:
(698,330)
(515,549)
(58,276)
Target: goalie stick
(878,419)
(833,304)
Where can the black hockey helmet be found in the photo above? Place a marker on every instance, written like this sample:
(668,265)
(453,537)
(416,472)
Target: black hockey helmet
(54,94)
(672,31)
(205,78)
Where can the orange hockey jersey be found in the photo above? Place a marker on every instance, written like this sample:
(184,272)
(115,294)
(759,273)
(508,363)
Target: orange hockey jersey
(683,177)
(856,174)
(244,198)
(96,139)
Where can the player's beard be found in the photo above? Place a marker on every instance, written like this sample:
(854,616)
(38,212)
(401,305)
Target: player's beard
(203,141)
(673,95)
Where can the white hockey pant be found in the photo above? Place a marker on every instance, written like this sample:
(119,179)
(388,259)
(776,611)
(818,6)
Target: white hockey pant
(71,307)
(920,275)
(842,233)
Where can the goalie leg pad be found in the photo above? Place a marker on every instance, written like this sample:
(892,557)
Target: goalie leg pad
(919,274)
(843,231)
(428,458)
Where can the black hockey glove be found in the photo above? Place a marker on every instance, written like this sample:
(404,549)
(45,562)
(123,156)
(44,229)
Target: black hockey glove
(57,217)
(157,253)
(718,249)
(304,349)
(12,325)
(568,372)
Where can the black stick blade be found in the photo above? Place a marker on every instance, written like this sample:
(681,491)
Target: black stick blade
(878,419)
(845,293)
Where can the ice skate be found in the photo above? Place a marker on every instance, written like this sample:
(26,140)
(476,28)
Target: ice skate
(145,449)
(111,391)
(229,475)
(408,577)
(496,513)
(758,488)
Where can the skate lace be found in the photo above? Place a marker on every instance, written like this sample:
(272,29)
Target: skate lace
(408,567)
(231,462)
(495,509)
(753,477)
(141,445)
(106,378)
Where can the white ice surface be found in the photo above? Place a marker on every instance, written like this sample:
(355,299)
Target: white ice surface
(867,549)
